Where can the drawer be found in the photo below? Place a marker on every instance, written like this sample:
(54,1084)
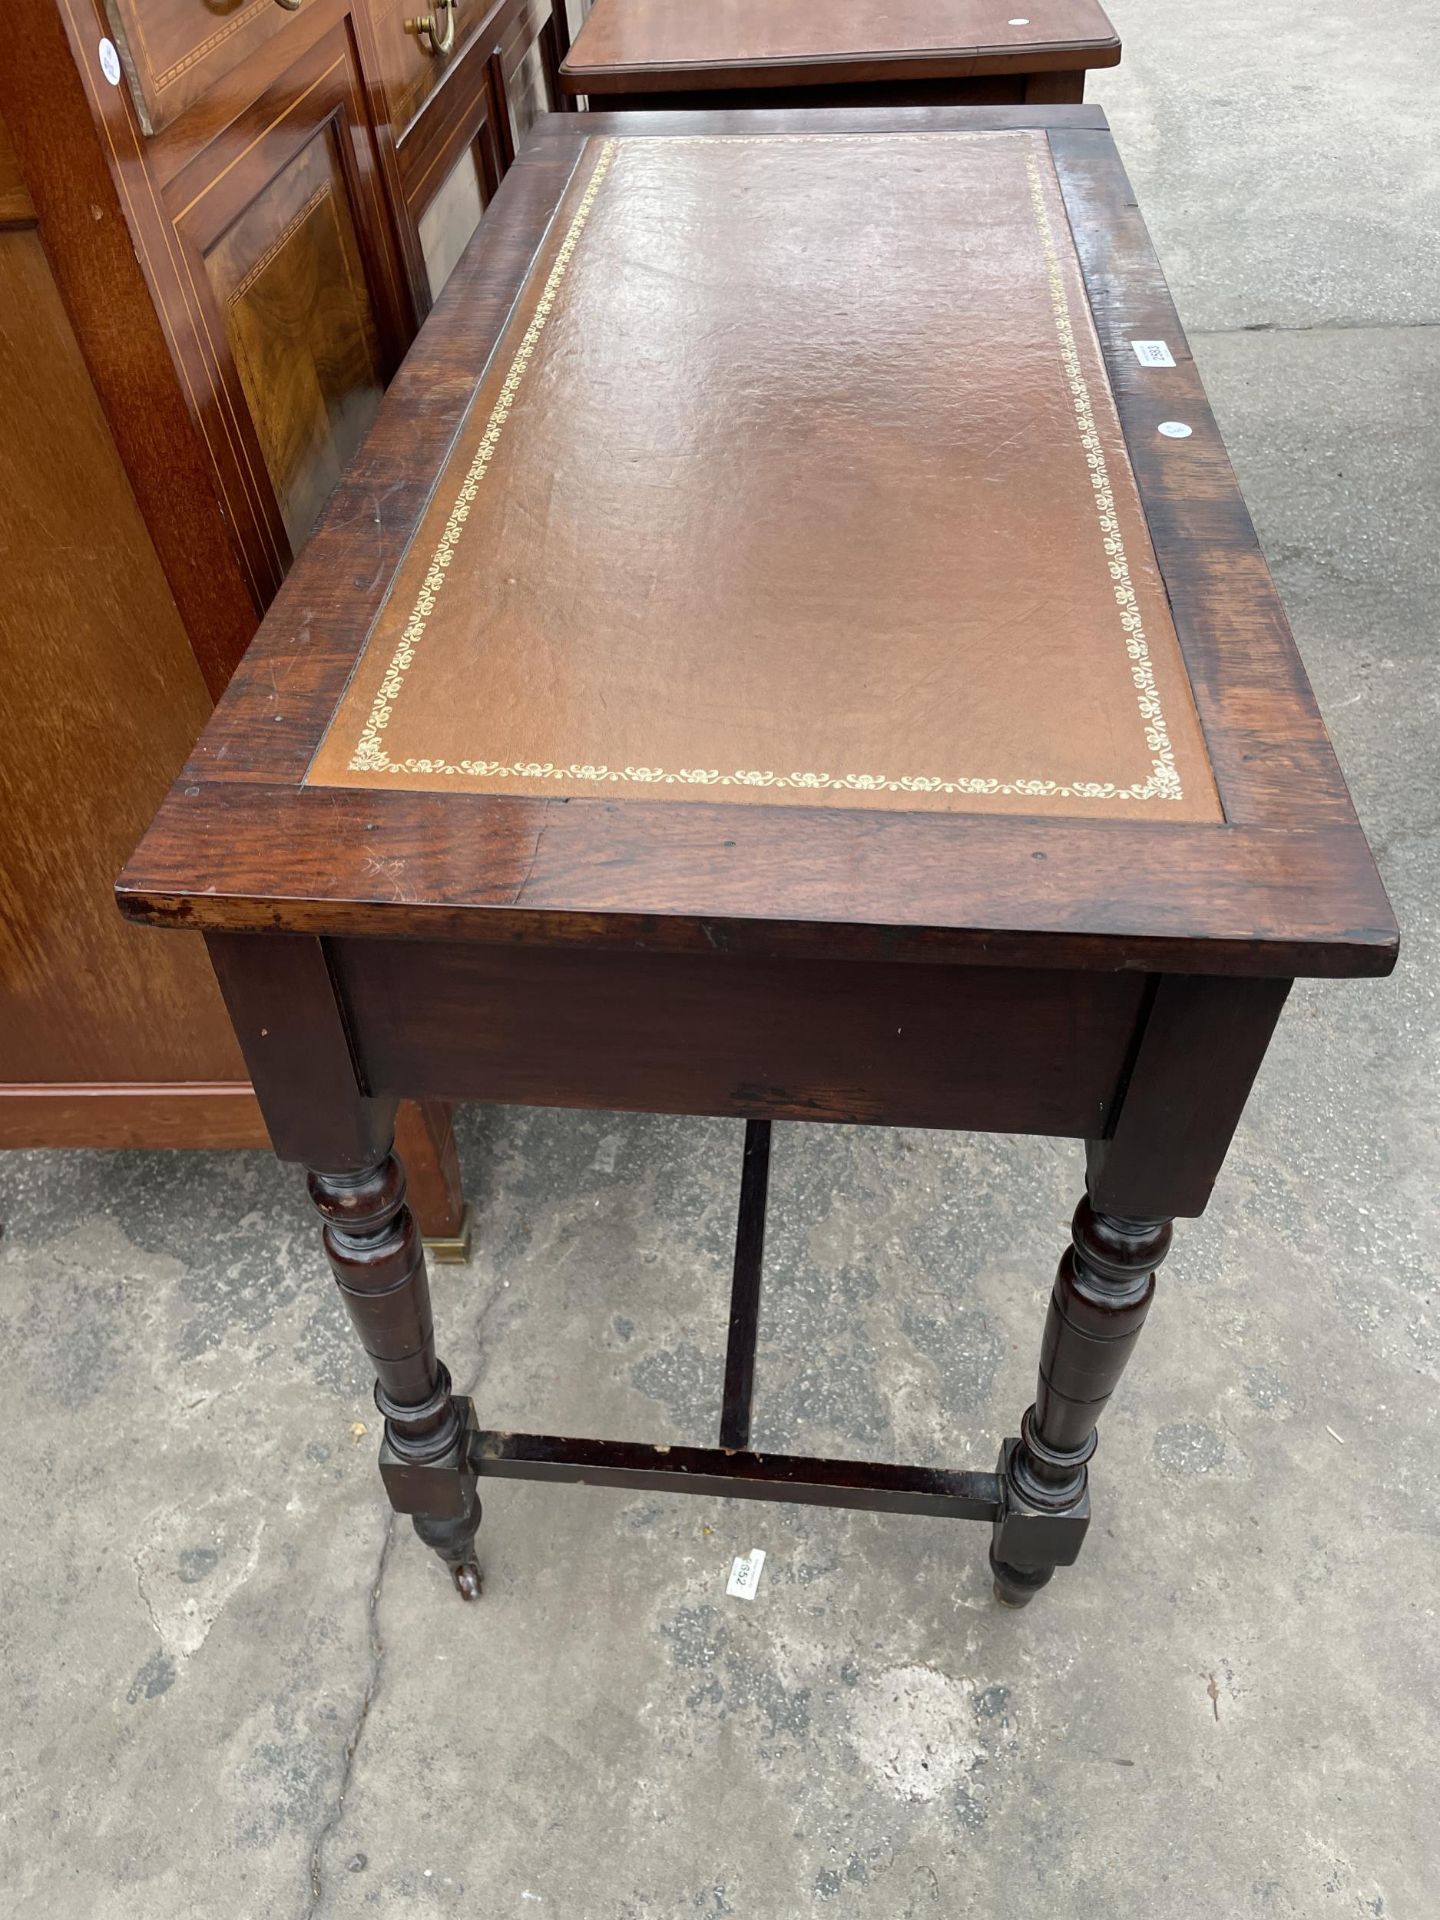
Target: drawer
(174,51)
(411,76)
(408,72)
(982,1048)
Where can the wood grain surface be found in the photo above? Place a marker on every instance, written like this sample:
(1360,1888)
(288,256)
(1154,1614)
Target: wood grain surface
(88,754)
(1285,885)
(657,45)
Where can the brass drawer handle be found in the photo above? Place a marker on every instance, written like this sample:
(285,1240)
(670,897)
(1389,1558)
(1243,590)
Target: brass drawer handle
(433,37)
(290,6)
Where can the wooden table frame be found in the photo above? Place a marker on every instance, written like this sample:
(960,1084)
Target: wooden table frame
(1037,72)
(1111,981)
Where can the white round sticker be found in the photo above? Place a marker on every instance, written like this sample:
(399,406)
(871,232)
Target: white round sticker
(110,62)
(1022,22)
(1175,430)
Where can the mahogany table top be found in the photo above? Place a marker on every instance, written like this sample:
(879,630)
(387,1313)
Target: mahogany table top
(772,541)
(699,44)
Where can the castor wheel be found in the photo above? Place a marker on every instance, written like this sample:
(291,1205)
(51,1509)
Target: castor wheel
(467,1580)
(453,1538)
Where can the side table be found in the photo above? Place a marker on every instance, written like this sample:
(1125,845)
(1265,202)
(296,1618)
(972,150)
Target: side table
(638,54)
(792,647)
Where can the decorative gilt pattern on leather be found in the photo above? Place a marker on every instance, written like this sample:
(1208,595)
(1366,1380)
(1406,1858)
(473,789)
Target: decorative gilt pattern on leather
(370,755)
(641,529)
(1164,781)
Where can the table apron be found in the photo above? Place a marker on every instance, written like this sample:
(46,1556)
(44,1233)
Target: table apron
(971,1048)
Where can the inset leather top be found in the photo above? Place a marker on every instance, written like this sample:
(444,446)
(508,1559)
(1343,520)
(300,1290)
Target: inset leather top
(727,43)
(796,477)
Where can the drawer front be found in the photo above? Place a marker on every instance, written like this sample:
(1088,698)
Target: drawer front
(174,51)
(972,1048)
(409,73)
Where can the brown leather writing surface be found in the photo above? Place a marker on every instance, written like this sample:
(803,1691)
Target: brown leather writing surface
(621,37)
(795,477)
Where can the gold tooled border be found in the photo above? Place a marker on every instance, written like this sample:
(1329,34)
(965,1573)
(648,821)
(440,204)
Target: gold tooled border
(1164,781)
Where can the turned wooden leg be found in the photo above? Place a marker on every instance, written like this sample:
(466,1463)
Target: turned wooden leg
(1103,1290)
(374,1248)
(1198,1048)
(298,1045)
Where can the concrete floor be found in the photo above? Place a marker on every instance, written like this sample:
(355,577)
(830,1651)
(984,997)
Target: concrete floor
(233,1688)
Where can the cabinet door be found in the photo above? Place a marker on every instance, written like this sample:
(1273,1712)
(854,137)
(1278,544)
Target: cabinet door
(530,38)
(449,162)
(448,220)
(297,290)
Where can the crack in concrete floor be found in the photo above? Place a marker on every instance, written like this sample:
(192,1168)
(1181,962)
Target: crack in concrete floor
(357,1732)
(352,1761)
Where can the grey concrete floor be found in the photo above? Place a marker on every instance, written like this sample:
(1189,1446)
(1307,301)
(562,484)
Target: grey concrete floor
(233,1688)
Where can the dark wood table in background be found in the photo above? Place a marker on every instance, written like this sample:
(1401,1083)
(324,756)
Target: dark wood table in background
(638,54)
(791,647)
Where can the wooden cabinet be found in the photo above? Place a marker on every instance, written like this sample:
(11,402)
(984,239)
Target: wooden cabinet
(300,300)
(220,259)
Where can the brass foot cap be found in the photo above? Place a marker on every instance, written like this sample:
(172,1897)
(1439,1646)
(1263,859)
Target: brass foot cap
(452,1249)
(1009,1598)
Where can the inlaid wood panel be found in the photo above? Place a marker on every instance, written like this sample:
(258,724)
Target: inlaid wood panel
(300,306)
(301,326)
(174,51)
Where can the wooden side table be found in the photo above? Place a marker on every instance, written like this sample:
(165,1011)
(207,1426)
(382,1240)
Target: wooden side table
(686,54)
(792,647)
